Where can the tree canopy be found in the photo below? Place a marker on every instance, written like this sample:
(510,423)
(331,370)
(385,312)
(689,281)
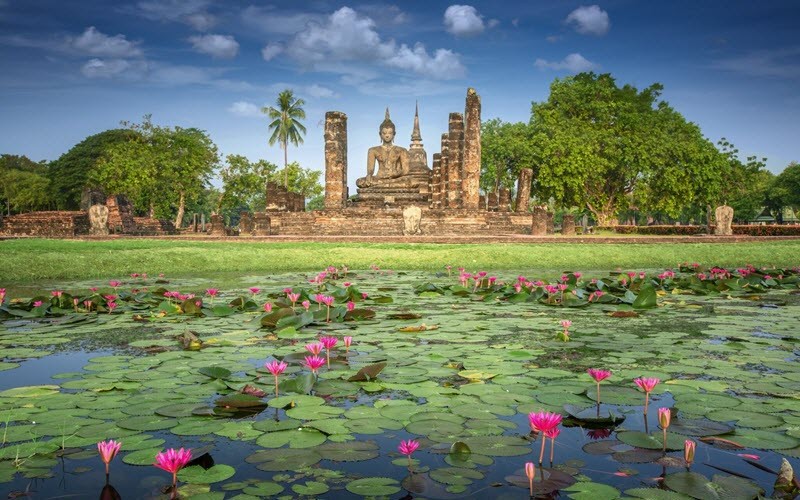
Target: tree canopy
(24,184)
(285,125)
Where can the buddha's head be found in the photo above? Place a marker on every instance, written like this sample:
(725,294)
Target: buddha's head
(387,130)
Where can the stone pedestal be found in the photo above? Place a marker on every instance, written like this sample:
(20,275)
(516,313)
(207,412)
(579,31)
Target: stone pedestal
(261,224)
(412,216)
(98,220)
(568,225)
(455,158)
(523,190)
(724,217)
(335,160)
(245,224)
(217,225)
(503,200)
(539,224)
(470,183)
(550,223)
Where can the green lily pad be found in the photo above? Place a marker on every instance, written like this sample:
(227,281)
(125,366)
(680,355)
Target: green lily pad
(746,418)
(302,437)
(374,486)
(699,427)
(455,475)
(587,490)
(764,440)
(719,488)
(652,441)
(311,488)
(198,475)
(284,459)
(352,451)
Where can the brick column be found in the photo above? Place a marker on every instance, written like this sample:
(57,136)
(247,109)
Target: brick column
(444,170)
(470,182)
(568,225)
(524,190)
(455,158)
(539,224)
(335,160)
(436,181)
(503,200)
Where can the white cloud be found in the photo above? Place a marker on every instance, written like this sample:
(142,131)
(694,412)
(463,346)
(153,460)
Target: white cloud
(591,20)
(384,14)
(493,23)
(463,20)
(114,69)
(271,51)
(553,38)
(319,91)
(191,12)
(245,109)
(346,36)
(272,21)
(96,43)
(777,63)
(573,63)
(219,46)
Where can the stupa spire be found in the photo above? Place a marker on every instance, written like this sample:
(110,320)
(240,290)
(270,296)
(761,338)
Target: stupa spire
(415,134)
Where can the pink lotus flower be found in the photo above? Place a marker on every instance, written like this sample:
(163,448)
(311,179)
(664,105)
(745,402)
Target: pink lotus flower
(57,293)
(254,290)
(293,298)
(347,341)
(565,323)
(647,385)
(75,302)
(88,305)
(212,292)
(306,304)
(552,434)
(93,289)
(543,422)
(134,275)
(364,295)
(530,471)
(268,307)
(407,448)
(108,450)
(315,348)
(314,363)
(328,301)
(114,284)
(276,368)
(664,416)
(172,461)
(37,303)
(350,306)
(598,376)
(111,306)
(688,451)
(329,343)
(346,284)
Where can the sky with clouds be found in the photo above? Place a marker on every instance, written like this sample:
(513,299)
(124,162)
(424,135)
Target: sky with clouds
(72,69)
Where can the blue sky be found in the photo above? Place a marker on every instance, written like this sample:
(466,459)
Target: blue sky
(69,69)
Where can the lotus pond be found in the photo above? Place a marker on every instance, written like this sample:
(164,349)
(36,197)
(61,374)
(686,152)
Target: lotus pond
(453,361)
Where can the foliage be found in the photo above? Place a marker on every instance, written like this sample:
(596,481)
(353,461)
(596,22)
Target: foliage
(316,203)
(300,180)
(690,229)
(243,182)
(158,168)
(744,185)
(285,125)
(70,173)
(505,149)
(25,185)
(597,145)
(784,191)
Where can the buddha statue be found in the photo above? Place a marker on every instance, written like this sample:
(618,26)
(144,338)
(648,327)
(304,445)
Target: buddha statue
(401,177)
(392,160)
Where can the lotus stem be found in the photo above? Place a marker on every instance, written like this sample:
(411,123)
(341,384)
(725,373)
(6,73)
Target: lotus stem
(541,453)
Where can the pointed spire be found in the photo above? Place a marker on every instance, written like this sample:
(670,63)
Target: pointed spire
(387,113)
(415,134)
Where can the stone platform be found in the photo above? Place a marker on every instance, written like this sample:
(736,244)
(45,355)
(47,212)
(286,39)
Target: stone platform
(389,222)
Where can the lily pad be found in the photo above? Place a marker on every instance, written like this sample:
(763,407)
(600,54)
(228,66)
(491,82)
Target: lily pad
(374,486)
(719,488)
(284,459)
(198,475)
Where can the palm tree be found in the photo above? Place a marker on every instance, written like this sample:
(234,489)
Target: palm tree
(285,125)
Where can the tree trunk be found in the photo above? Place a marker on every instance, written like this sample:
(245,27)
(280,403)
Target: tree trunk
(152,212)
(286,165)
(181,208)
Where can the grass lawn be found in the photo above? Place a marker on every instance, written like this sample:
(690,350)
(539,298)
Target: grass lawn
(38,259)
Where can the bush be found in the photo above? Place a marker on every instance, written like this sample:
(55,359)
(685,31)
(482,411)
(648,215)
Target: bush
(690,230)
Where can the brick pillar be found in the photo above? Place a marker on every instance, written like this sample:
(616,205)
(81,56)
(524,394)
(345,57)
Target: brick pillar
(550,224)
(539,224)
(568,225)
(454,162)
(261,224)
(470,183)
(503,200)
(524,190)
(335,160)
(217,225)
(445,171)
(436,181)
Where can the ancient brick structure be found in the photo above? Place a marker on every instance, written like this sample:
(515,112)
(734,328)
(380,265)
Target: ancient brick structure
(503,200)
(492,201)
(335,160)
(523,190)
(455,141)
(444,168)
(245,224)
(146,226)
(279,199)
(436,181)
(471,170)
(217,225)
(120,215)
(550,223)
(539,224)
(568,225)
(90,197)
(52,224)
(261,224)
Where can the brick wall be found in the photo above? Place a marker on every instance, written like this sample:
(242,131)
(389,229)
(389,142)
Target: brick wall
(61,224)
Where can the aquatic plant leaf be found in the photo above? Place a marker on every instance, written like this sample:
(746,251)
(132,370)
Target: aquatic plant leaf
(310,488)
(374,486)
(351,451)
(198,475)
(215,372)
(455,475)
(587,490)
(302,437)
(656,494)
(699,427)
(651,441)
(719,488)
(367,373)
(239,401)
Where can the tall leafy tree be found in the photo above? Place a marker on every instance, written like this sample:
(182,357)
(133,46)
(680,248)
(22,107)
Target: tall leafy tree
(285,125)
(300,180)
(505,149)
(70,173)
(243,183)
(24,184)
(785,190)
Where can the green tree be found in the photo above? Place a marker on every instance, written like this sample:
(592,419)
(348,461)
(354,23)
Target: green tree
(300,180)
(243,183)
(744,183)
(505,149)
(69,174)
(785,190)
(285,125)
(604,147)
(158,168)
(23,184)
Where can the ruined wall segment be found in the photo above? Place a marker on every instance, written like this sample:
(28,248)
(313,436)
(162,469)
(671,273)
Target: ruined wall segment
(335,160)
(455,159)
(470,182)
